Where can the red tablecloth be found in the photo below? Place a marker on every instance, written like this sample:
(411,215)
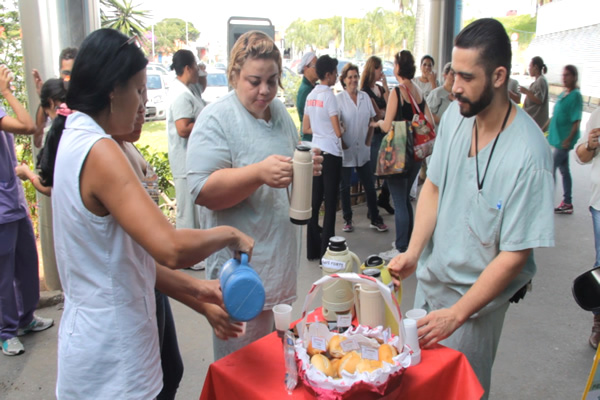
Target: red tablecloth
(257,372)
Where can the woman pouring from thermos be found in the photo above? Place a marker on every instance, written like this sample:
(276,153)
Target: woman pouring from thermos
(239,166)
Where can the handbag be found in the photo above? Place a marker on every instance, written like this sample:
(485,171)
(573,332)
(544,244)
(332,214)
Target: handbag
(424,135)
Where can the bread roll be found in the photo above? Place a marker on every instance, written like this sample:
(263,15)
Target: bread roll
(322,363)
(386,352)
(349,362)
(366,365)
(335,364)
(312,351)
(335,349)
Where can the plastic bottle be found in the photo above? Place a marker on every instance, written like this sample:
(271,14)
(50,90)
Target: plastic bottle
(291,371)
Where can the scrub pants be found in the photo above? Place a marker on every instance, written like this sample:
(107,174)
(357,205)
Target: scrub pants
(325,187)
(561,161)
(19,276)
(399,186)
(477,339)
(187,211)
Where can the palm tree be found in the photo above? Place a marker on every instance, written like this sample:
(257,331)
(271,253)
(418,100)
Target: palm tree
(419,49)
(123,16)
(404,6)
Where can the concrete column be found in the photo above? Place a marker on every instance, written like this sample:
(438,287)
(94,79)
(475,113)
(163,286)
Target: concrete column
(445,17)
(48,27)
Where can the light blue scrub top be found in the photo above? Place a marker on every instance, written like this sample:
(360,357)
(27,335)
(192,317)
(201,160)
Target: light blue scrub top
(513,211)
(226,135)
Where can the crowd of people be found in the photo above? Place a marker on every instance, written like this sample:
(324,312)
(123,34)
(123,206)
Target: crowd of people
(489,185)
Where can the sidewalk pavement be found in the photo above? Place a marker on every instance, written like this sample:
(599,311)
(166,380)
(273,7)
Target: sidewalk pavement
(543,352)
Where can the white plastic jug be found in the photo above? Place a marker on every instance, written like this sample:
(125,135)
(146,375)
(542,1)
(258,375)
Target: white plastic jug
(369,305)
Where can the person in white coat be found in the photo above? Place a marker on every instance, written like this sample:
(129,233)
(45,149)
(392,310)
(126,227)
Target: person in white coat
(356,113)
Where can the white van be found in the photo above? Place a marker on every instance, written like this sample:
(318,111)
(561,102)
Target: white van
(156,107)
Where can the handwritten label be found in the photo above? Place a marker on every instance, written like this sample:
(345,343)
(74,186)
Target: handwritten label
(333,264)
(369,353)
(349,345)
(319,343)
(344,320)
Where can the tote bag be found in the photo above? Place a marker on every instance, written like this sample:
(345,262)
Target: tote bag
(396,151)
(424,135)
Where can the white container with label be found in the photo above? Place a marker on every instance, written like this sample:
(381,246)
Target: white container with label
(338,296)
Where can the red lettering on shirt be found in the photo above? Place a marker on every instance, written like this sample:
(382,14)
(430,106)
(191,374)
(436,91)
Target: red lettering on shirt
(314,103)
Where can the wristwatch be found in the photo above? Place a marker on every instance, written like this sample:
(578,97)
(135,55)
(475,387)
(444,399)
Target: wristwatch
(588,148)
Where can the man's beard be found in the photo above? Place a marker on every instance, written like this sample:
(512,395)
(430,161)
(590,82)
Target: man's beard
(475,107)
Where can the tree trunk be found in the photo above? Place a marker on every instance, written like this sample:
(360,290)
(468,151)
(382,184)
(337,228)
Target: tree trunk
(419,45)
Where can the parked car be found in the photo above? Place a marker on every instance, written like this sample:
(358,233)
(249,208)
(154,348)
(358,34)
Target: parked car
(390,77)
(216,85)
(157,67)
(156,107)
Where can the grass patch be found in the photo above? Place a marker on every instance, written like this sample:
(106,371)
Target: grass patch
(154,134)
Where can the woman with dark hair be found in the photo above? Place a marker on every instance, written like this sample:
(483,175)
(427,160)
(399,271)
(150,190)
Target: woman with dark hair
(536,97)
(182,112)
(564,132)
(428,79)
(108,232)
(370,81)
(356,112)
(399,108)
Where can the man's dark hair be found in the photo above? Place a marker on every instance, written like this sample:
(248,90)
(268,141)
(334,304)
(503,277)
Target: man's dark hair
(182,59)
(68,53)
(406,64)
(325,64)
(489,37)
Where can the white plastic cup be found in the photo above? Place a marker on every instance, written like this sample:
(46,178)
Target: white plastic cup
(283,316)
(415,313)
(412,339)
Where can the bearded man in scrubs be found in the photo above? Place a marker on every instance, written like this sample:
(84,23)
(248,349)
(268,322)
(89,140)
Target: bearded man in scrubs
(486,203)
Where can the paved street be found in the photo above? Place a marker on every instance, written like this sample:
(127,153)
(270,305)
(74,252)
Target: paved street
(543,352)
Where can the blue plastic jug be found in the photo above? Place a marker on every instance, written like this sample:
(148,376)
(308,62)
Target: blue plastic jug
(243,290)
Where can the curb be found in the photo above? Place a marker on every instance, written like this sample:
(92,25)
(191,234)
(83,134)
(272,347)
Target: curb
(50,298)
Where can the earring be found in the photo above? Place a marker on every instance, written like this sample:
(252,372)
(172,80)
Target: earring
(111,108)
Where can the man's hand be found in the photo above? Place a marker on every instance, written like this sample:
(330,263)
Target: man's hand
(402,266)
(221,323)
(437,326)
(37,79)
